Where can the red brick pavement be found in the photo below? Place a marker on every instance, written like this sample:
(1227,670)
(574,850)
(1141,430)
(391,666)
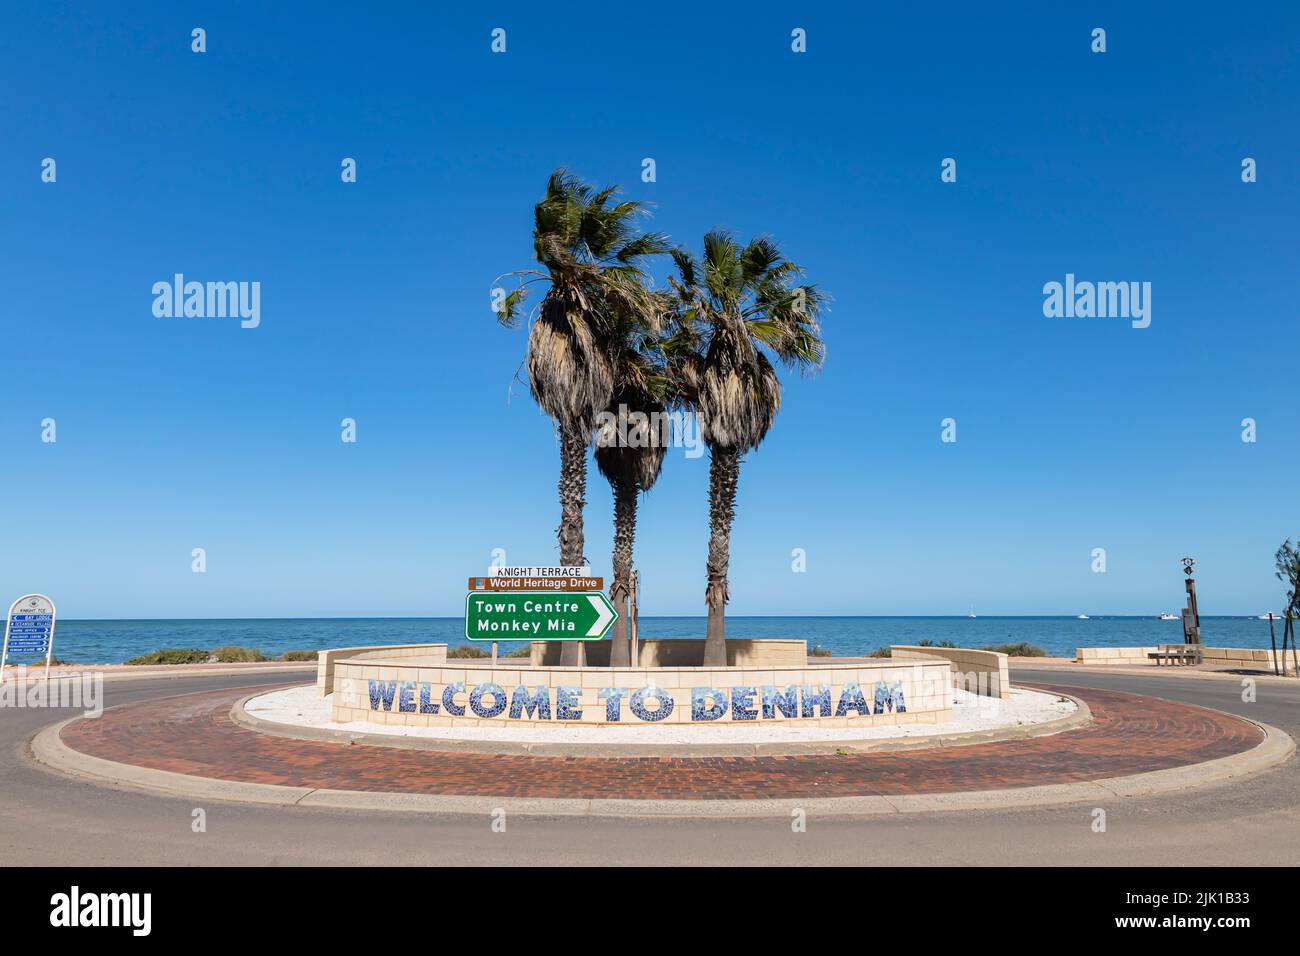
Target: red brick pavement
(194,735)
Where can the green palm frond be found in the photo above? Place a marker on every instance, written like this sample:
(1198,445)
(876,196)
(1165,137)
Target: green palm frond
(731,310)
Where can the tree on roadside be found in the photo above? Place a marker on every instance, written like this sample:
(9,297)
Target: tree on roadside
(739,305)
(591,254)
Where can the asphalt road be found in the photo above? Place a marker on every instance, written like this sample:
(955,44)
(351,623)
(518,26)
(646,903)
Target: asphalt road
(50,820)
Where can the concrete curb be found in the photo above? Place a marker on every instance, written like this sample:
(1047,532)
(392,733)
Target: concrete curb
(49,750)
(1172,673)
(1081,717)
(167,672)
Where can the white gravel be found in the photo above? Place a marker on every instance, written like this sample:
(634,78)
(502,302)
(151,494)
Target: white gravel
(299,706)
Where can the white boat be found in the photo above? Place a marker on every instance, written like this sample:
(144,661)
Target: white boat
(1170,617)
(1083,617)
(1264,617)
(972,611)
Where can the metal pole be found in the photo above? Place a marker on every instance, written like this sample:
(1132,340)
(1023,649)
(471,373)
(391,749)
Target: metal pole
(49,649)
(1295,661)
(1272,640)
(633,598)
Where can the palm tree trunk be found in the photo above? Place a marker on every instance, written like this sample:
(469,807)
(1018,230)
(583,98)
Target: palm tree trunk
(724,475)
(573,498)
(620,653)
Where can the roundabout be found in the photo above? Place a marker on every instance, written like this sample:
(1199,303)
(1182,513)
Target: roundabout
(131,805)
(194,745)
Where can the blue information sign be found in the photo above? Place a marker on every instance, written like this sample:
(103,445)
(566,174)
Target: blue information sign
(29,629)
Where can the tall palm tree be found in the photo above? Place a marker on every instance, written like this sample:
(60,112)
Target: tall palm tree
(740,305)
(590,252)
(630,451)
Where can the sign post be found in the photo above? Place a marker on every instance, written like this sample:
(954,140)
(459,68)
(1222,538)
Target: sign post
(537,615)
(29,629)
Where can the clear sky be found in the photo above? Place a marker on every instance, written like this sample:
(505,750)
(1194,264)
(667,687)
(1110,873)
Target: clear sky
(1072,433)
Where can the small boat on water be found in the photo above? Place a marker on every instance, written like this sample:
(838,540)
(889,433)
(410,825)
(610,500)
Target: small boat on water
(1170,617)
(1083,617)
(1264,617)
(972,611)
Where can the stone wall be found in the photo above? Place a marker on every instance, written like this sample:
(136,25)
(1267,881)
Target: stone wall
(767,652)
(980,672)
(1252,658)
(327,660)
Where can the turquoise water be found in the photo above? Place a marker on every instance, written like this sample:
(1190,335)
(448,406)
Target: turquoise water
(110,642)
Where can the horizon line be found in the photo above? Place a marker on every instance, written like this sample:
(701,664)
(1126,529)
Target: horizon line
(457,617)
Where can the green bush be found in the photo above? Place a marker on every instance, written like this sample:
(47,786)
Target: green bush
(299,655)
(172,656)
(36,662)
(881,652)
(929,643)
(234,654)
(1018,650)
(819,651)
(524,651)
(466,651)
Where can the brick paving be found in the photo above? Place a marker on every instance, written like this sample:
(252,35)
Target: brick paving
(194,734)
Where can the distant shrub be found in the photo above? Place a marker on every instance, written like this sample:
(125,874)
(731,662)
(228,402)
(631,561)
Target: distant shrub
(38,662)
(929,643)
(524,651)
(172,656)
(819,651)
(881,652)
(299,655)
(1018,650)
(234,654)
(466,651)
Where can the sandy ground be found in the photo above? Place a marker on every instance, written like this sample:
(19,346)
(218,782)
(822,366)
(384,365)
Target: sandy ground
(301,707)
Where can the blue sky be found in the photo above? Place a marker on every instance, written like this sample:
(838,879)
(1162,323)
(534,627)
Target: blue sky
(1073,434)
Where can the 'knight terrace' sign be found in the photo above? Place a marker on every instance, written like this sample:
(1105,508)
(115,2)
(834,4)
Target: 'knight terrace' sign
(537,615)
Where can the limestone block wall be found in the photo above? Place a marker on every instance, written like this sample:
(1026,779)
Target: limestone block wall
(1254,658)
(477,693)
(980,672)
(326,660)
(1113,655)
(768,652)
(1249,657)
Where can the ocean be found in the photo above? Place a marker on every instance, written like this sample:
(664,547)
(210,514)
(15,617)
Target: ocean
(112,642)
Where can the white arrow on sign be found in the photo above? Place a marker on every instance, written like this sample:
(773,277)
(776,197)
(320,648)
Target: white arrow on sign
(603,616)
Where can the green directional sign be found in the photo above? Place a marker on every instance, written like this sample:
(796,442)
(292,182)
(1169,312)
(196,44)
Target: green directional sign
(537,615)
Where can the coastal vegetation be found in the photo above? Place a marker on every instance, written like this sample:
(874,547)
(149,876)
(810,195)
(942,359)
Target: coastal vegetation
(474,652)
(172,656)
(233,654)
(1288,572)
(229,654)
(1021,649)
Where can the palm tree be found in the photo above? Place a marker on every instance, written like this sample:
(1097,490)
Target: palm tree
(630,451)
(739,305)
(590,252)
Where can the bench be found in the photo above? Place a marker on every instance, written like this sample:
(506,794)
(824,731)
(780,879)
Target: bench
(1176,654)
